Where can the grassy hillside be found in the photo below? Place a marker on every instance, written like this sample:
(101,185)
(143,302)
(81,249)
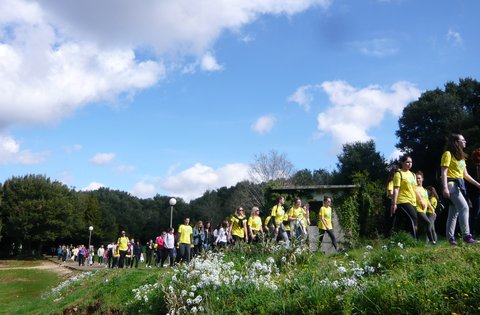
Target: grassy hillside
(385,277)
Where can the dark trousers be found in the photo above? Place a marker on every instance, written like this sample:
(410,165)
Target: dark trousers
(406,216)
(321,234)
(159,256)
(81,260)
(135,257)
(167,252)
(184,254)
(121,262)
(148,262)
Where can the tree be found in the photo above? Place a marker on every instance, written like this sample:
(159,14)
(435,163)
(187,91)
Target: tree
(360,157)
(270,167)
(37,210)
(426,123)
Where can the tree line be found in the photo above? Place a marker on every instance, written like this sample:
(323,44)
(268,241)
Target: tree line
(36,211)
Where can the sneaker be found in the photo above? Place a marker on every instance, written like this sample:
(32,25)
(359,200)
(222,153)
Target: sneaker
(452,242)
(469,239)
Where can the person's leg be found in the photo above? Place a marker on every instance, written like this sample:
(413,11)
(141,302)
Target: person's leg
(321,235)
(422,217)
(458,209)
(410,213)
(332,237)
(188,252)
(432,218)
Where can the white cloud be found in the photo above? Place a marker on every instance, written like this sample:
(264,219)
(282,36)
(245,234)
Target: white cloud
(143,190)
(58,56)
(395,154)
(454,37)
(102,158)
(303,96)
(264,124)
(194,181)
(354,111)
(93,186)
(209,63)
(11,153)
(377,47)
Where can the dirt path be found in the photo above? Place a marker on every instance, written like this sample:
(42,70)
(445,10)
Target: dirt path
(47,266)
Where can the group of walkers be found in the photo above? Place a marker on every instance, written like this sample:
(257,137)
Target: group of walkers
(409,205)
(413,205)
(280,226)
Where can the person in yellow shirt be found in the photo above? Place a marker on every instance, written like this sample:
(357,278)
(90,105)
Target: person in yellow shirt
(297,217)
(255,226)
(325,222)
(387,201)
(454,173)
(116,256)
(278,214)
(122,247)
(405,196)
(238,226)
(422,212)
(185,241)
(432,211)
(269,227)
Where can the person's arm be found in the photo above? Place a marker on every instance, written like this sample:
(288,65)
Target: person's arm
(446,193)
(393,208)
(419,198)
(245,229)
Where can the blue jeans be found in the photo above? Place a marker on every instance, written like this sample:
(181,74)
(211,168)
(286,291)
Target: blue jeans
(458,209)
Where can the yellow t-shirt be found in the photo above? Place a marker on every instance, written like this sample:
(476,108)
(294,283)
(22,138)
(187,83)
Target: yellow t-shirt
(455,167)
(424,194)
(434,203)
(267,220)
(116,252)
(407,183)
(389,189)
(278,212)
(185,232)
(297,213)
(255,223)
(327,215)
(123,243)
(236,228)
(286,225)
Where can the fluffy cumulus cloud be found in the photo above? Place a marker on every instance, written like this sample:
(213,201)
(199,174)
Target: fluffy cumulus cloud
(353,111)
(45,74)
(454,37)
(264,124)
(194,181)
(102,158)
(143,190)
(209,63)
(11,152)
(93,186)
(303,96)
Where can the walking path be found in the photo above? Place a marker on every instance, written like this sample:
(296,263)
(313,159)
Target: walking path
(73,265)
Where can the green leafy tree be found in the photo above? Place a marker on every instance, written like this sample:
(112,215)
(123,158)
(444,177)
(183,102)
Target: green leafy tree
(360,157)
(37,210)
(426,123)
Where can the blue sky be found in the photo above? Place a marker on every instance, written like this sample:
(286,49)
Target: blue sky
(176,97)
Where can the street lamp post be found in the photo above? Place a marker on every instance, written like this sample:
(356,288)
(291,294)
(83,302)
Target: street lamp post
(172,202)
(90,228)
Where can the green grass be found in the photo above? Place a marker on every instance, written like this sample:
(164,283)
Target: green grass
(395,276)
(21,289)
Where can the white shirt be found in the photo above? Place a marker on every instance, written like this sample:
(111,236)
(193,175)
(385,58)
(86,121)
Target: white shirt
(169,241)
(222,236)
